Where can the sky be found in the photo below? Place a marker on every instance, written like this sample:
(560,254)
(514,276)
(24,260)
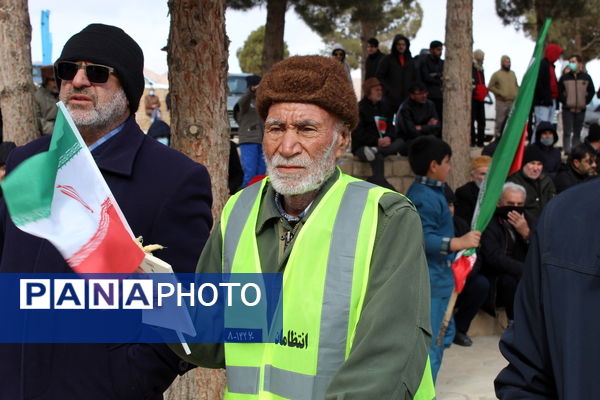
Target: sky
(150,28)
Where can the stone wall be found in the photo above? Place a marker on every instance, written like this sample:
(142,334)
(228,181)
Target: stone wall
(397,170)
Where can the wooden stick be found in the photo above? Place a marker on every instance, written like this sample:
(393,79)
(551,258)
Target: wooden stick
(447,318)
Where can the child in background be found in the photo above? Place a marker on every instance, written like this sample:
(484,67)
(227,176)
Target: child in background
(429,159)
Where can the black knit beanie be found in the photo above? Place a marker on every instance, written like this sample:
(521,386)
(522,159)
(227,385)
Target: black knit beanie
(111,46)
(533,153)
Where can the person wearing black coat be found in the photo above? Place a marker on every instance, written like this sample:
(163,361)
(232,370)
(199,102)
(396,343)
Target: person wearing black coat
(396,71)
(545,98)
(374,137)
(551,346)
(466,195)
(580,167)
(592,141)
(547,138)
(504,245)
(431,72)
(373,59)
(164,196)
(417,117)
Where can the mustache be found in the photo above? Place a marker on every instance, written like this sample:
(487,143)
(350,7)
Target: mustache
(278,160)
(85,91)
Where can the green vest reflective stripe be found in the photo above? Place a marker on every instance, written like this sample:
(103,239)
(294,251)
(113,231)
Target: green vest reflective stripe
(324,282)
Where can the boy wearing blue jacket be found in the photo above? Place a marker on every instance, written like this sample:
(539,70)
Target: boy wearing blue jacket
(429,159)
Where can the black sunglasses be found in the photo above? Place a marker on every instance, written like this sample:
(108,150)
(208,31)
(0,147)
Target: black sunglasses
(96,73)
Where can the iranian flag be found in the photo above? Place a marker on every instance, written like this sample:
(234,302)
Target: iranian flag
(505,155)
(60,195)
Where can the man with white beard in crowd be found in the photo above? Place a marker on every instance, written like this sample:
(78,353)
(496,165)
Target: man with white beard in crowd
(355,279)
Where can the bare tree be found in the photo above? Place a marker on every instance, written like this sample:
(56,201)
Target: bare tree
(197,58)
(457,86)
(16,82)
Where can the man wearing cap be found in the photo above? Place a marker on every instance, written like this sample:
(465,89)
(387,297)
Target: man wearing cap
(99,73)
(540,188)
(327,233)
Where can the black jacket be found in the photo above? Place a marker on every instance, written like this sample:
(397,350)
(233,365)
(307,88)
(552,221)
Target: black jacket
(432,71)
(166,198)
(551,347)
(552,160)
(594,151)
(371,64)
(396,78)
(466,199)
(568,177)
(543,94)
(502,250)
(366,133)
(413,113)
(539,192)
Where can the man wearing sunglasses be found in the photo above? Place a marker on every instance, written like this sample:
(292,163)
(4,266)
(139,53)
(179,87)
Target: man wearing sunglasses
(165,197)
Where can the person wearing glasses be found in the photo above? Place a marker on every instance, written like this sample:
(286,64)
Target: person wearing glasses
(165,197)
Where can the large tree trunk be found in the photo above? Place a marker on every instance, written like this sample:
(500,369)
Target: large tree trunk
(16,81)
(274,30)
(457,86)
(197,59)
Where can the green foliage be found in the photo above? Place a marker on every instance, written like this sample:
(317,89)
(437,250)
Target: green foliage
(350,22)
(250,54)
(574,23)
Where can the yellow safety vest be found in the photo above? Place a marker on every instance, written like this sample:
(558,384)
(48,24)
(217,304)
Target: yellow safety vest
(324,285)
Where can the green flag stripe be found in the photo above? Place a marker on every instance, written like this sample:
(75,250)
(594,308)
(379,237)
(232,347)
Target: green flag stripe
(507,147)
(29,188)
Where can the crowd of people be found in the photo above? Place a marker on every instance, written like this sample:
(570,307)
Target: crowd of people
(373,305)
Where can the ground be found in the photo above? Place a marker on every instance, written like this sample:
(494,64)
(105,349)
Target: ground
(468,373)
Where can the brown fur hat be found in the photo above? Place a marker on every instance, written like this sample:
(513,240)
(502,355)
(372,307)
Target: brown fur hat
(317,80)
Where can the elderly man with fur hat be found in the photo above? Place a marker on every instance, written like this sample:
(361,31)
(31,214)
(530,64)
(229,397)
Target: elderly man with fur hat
(540,188)
(352,252)
(165,197)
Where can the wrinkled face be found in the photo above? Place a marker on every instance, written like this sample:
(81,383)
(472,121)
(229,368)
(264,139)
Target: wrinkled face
(585,166)
(436,52)
(419,96)
(512,198)
(94,106)
(506,63)
(301,144)
(376,94)
(479,174)
(401,46)
(371,49)
(533,169)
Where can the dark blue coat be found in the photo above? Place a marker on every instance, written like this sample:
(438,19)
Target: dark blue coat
(166,198)
(552,345)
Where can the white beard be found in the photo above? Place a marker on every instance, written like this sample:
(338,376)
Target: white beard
(315,174)
(102,115)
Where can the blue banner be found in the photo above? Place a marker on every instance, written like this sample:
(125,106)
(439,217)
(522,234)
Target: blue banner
(140,308)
